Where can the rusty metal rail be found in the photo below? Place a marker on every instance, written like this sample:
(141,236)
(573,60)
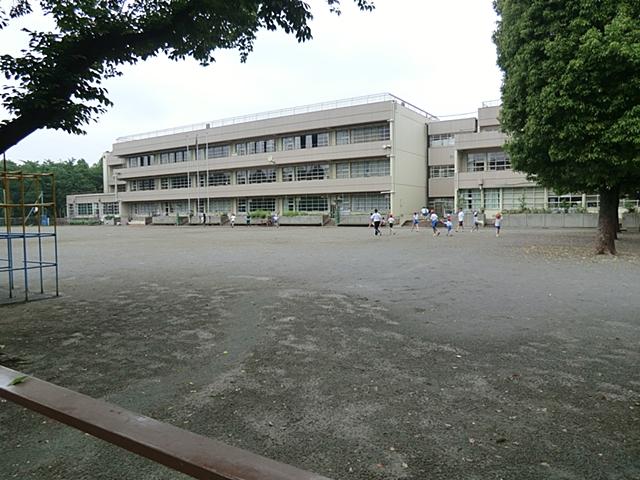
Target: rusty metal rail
(187,452)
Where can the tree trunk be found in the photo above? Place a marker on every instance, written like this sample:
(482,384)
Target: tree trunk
(607,221)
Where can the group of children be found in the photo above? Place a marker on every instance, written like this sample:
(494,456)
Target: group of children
(432,216)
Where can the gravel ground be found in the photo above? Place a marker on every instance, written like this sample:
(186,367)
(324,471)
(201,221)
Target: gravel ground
(400,357)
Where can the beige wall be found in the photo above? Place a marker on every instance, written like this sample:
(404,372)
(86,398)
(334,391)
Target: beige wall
(441,187)
(488,117)
(442,155)
(409,164)
(468,141)
(506,178)
(452,126)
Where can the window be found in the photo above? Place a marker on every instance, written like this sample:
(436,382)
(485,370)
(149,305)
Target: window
(145,184)
(198,154)
(342,137)
(593,201)
(370,168)
(492,198)
(164,183)
(257,146)
(470,199)
(363,168)
(288,143)
(323,140)
(262,175)
(262,203)
(219,178)
(365,202)
(523,198)
(85,208)
(217,151)
(441,171)
(307,203)
(110,208)
(258,175)
(312,172)
(242,205)
(309,140)
(499,161)
(442,140)
(145,208)
(181,181)
(442,204)
(220,205)
(342,170)
(287,174)
(370,134)
(564,201)
(476,162)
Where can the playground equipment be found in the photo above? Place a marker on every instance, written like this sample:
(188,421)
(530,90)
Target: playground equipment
(29,233)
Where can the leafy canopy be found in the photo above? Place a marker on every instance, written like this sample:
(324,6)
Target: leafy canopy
(571,91)
(55,82)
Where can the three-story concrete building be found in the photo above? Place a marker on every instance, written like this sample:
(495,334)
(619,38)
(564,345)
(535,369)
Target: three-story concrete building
(340,159)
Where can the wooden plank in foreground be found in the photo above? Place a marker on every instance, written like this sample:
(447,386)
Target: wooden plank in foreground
(187,452)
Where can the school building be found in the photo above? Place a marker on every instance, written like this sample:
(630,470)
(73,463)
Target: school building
(341,159)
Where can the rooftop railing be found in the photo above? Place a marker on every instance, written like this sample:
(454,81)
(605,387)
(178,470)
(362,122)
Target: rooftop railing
(491,103)
(316,107)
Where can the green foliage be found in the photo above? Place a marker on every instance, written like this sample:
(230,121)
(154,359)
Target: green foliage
(260,214)
(55,82)
(71,176)
(571,91)
(291,214)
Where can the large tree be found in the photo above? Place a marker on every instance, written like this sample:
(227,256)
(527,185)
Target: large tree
(55,82)
(571,97)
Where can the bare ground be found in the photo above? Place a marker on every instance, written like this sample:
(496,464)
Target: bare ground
(405,357)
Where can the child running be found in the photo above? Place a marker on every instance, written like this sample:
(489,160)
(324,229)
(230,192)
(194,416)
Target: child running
(476,222)
(497,223)
(449,225)
(391,220)
(416,222)
(460,226)
(434,223)
(376,218)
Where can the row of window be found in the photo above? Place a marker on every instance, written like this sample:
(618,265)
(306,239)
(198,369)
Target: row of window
(522,198)
(442,140)
(357,169)
(84,209)
(441,171)
(305,172)
(266,145)
(363,168)
(348,203)
(487,161)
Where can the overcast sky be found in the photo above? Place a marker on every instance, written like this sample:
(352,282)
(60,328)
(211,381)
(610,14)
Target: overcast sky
(435,54)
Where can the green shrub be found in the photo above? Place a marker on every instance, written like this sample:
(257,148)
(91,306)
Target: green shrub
(259,214)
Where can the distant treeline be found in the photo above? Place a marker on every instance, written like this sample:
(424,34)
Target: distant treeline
(71,176)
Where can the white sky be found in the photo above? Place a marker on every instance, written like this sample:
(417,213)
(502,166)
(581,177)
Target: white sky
(436,54)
